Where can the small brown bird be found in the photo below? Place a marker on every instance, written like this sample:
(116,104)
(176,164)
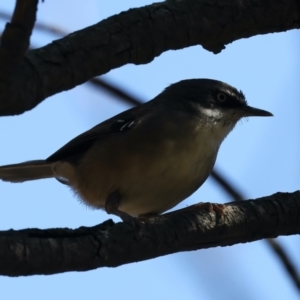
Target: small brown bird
(149,158)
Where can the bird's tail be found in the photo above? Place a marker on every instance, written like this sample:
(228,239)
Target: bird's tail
(29,170)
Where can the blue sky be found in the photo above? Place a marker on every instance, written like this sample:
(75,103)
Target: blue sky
(261,156)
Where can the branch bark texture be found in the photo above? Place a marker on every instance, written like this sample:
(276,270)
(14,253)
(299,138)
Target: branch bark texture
(34,251)
(138,36)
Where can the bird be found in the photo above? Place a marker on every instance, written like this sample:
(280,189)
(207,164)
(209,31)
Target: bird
(147,159)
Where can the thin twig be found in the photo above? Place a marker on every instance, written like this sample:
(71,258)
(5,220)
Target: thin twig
(115,91)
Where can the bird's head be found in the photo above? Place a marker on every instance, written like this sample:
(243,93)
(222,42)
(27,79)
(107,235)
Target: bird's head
(216,102)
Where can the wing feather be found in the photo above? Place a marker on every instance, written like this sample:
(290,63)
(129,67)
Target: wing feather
(116,125)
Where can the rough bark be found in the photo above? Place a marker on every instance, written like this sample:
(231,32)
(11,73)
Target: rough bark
(34,251)
(138,36)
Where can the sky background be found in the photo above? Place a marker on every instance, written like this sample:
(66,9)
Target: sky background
(261,156)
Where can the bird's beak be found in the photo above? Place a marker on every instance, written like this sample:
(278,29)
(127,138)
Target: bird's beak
(248,111)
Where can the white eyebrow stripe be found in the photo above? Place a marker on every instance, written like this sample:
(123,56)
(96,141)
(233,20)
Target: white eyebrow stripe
(238,95)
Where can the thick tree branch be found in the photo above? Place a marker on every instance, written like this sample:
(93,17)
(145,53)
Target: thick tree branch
(138,36)
(34,251)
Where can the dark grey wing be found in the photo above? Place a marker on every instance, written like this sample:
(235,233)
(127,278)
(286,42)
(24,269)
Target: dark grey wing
(116,125)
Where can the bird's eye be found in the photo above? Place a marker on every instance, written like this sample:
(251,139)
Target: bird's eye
(221,97)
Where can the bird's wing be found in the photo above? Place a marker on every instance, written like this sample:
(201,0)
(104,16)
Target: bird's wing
(116,125)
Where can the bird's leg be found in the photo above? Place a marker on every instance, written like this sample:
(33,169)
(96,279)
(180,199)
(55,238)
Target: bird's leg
(111,207)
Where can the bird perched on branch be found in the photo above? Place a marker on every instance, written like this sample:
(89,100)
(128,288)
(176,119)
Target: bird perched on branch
(149,158)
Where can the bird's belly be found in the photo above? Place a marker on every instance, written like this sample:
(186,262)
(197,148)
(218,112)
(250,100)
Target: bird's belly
(156,192)
(149,183)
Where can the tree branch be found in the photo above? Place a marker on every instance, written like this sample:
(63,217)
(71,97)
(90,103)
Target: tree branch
(15,40)
(34,251)
(286,261)
(138,36)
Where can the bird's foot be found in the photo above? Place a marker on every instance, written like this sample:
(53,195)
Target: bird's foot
(128,219)
(111,207)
